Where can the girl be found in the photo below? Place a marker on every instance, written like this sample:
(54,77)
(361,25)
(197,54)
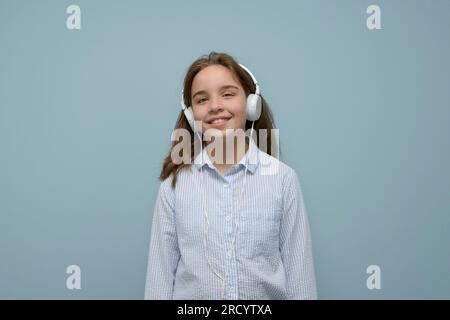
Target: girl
(226,226)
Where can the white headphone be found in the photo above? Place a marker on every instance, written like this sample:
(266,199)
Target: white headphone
(253,104)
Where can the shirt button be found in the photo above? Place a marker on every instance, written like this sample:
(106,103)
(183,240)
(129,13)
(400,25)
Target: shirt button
(226,185)
(229,253)
(227,218)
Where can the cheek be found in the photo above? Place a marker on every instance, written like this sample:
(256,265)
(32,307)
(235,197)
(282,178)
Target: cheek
(239,110)
(198,113)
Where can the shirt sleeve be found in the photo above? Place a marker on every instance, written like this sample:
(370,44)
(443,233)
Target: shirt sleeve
(164,253)
(295,242)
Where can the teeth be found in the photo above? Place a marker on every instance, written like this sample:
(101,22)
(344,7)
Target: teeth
(219,120)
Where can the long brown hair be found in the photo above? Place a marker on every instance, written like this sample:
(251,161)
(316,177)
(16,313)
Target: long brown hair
(265,121)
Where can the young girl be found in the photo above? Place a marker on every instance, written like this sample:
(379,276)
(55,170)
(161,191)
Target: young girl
(225,226)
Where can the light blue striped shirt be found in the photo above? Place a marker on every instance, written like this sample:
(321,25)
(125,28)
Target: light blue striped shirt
(271,255)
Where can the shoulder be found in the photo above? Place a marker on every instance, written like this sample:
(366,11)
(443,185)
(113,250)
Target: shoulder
(272,166)
(184,179)
(165,188)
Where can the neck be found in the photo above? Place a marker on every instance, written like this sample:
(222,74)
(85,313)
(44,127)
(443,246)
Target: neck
(223,156)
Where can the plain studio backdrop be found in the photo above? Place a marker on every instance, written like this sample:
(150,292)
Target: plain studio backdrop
(86,117)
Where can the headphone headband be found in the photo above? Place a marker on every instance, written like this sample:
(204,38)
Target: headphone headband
(253,78)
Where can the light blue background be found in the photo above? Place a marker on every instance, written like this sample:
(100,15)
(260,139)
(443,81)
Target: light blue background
(86,118)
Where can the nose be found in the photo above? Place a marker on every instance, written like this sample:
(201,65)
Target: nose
(215,105)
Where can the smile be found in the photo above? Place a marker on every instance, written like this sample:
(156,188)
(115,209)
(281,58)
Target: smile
(218,122)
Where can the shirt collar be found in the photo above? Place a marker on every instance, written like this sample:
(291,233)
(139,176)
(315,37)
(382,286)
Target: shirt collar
(252,154)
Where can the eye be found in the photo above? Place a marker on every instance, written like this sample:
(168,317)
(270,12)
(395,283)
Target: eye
(201,100)
(228,94)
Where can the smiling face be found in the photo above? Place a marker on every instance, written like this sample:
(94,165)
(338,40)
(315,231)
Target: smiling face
(218,99)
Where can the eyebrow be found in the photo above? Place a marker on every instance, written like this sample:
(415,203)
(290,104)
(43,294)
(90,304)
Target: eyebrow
(221,88)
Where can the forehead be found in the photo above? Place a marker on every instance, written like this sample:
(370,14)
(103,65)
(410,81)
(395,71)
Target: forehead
(213,77)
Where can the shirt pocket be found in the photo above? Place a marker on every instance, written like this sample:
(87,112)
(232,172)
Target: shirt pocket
(260,228)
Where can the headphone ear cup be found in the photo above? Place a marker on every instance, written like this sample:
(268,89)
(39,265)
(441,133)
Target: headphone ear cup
(253,107)
(190,117)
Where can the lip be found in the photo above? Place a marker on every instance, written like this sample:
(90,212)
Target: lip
(219,124)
